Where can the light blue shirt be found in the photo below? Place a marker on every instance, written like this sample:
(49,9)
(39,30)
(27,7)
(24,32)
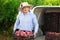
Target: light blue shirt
(26,22)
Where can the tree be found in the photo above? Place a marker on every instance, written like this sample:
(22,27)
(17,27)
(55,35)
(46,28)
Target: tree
(52,2)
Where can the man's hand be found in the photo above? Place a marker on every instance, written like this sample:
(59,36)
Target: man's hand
(34,35)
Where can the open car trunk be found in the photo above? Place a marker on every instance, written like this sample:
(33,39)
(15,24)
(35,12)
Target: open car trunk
(51,22)
(48,18)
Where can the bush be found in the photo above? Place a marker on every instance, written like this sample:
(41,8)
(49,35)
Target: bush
(52,2)
(8,12)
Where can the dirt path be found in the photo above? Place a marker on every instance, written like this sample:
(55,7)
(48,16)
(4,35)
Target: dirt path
(40,38)
(3,37)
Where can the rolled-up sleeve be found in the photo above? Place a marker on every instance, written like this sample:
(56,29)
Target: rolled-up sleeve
(35,22)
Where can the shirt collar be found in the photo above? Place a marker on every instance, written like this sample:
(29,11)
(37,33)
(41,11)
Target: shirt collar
(26,13)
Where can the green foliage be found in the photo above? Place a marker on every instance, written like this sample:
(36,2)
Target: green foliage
(52,2)
(8,11)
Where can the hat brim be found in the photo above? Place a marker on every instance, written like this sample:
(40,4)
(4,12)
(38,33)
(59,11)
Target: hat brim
(30,7)
(21,7)
(26,6)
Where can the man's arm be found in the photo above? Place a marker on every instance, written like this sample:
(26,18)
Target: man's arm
(35,23)
(17,22)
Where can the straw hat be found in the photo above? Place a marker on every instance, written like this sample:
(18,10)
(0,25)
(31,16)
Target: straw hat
(25,4)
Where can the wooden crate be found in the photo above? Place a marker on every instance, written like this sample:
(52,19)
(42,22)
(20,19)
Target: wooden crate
(52,36)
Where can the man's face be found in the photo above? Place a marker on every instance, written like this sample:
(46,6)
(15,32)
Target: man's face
(25,9)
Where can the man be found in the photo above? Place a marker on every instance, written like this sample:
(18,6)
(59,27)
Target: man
(25,19)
